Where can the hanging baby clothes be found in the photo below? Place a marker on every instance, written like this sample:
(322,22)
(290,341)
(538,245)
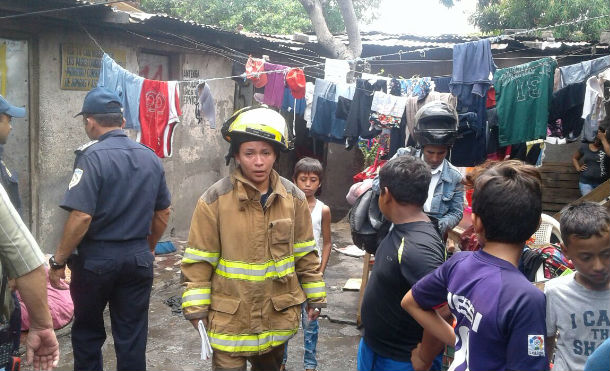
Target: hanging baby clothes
(205,104)
(157,131)
(565,113)
(582,71)
(336,70)
(386,111)
(358,118)
(473,68)
(523,95)
(274,90)
(128,87)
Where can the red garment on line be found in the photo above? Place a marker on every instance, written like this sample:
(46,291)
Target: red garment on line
(155,102)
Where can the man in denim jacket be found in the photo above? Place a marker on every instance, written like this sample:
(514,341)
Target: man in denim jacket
(435,132)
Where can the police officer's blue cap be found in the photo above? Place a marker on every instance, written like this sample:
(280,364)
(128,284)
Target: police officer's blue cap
(101,100)
(9,109)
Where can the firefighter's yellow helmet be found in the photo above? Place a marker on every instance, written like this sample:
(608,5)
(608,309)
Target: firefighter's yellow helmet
(261,122)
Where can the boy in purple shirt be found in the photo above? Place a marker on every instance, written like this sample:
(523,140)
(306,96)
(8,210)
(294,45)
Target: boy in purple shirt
(500,314)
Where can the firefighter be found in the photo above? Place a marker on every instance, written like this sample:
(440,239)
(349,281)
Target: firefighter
(251,258)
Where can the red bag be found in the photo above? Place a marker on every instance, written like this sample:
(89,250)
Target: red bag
(372,171)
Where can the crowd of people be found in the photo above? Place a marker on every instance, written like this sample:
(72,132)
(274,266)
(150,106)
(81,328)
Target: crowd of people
(259,244)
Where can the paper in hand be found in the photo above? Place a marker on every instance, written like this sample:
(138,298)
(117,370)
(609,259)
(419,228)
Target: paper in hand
(206,348)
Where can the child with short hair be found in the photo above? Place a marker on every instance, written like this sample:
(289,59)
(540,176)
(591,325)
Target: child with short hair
(578,305)
(412,249)
(308,178)
(500,315)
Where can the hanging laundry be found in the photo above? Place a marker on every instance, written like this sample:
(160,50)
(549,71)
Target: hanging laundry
(441,84)
(291,105)
(128,87)
(322,89)
(360,112)
(470,148)
(205,104)
(473,68)
(416,87)
(492,132)
(274,90)
(295,79)
(491,98)
(343,107)
(309,91)
(523,95)
(155,114)
(386,110)
(582,71)
(594,106)
(345,90)
(336,70)
(565,113)
(326,126)
(254,67)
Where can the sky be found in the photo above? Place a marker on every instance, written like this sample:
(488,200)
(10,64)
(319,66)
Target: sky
(423,17)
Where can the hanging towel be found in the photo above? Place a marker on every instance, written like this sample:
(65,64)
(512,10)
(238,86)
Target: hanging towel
(128,87)
(274,90)
(205,104)
(473,68)
(523,96)
(336,70)
(157,131)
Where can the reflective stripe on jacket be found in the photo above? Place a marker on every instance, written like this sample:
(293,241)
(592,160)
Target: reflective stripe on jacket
(248,268)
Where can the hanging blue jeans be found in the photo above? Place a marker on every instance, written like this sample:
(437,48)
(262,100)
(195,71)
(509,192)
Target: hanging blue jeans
(310,340)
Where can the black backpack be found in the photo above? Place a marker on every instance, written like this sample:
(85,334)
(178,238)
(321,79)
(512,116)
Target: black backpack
(367,224)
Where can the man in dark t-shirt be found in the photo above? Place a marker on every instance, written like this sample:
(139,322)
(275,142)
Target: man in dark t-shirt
(412,249)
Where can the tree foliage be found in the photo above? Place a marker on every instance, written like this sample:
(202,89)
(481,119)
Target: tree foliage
(263,16)
(493,16)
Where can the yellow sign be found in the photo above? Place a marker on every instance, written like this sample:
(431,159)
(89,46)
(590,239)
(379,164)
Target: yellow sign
(3,69)
(81,65)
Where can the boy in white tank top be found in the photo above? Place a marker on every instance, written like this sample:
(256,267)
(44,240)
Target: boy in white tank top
(308,178)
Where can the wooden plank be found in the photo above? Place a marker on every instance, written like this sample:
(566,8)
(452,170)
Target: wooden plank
(568,169)
(365,279)
(561,193)
(561,176)
(565,184)
(599,194)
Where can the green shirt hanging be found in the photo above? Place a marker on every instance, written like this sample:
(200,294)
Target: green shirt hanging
(523,95)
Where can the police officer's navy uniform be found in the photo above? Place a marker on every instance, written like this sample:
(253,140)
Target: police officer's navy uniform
(120,183)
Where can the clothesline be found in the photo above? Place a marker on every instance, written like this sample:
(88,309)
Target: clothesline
(317,65)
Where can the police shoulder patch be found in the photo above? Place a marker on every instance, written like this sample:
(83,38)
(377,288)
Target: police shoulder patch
(85,146)
(76,177)
(535,345)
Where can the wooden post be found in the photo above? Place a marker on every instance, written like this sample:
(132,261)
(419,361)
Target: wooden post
(365,278)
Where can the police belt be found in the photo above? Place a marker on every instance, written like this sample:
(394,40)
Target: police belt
(90,244)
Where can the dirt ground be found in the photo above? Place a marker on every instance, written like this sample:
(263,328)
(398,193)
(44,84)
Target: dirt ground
(173,344)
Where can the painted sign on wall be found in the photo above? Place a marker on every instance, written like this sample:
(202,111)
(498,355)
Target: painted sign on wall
(81,64)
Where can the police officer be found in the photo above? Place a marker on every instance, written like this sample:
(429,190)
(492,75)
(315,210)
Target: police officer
(119,206)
